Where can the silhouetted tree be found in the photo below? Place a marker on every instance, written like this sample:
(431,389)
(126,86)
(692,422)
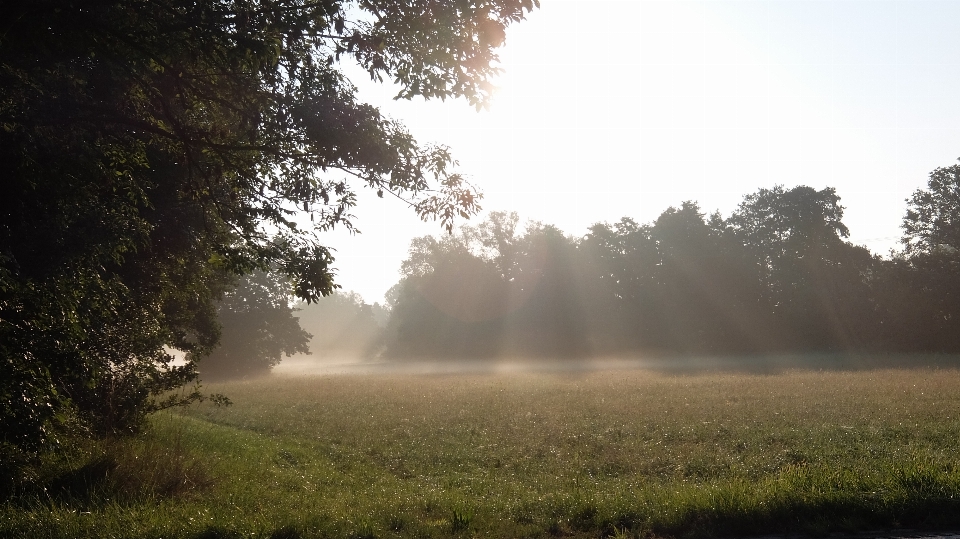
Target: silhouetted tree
(919,290)
(917,304)
(620,265)
(549,318)
(814,281)
(488,291)
(258,328)
(449,300)
(932,221)
(741,302)
(686,301)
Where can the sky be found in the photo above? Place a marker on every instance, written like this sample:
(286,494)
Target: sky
(610,109)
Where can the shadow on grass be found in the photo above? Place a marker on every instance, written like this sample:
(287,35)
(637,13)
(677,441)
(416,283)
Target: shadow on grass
(784,518)
(818,519)
(119,471)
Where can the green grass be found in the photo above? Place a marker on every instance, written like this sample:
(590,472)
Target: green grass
(617,453)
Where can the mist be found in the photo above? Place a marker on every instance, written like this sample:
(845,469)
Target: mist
(771,287)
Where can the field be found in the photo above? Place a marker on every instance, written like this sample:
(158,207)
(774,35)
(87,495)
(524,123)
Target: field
(621,453)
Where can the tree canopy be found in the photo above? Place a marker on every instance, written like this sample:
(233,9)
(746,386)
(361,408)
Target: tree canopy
(777,275)
(932,222)
(257,328)
(919,301)
(152,149)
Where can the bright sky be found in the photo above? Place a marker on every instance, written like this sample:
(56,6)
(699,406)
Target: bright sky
(623,108)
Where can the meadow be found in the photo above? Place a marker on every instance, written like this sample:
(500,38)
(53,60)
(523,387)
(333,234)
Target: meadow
(615,453)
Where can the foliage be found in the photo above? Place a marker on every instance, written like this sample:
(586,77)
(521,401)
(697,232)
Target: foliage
(776,275)
(486,291)
(154,149)
(258,327)
(918,291)
(621,262)
(445,300)
(814,281)
(932,222)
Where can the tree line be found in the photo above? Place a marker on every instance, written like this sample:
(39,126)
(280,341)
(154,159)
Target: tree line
(776,275)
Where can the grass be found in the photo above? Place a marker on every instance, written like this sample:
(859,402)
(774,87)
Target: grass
(604,454)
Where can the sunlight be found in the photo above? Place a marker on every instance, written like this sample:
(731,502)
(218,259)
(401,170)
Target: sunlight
(628,108)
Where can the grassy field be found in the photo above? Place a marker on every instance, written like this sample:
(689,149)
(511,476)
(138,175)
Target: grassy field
(601,454)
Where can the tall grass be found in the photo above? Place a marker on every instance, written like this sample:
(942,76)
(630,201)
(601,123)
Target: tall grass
(618,453)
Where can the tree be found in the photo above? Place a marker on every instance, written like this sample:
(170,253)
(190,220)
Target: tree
(489,291)
(813,280)
(919,290)
(152,149)
(932,222)
(451,297)
(547,317)
(257,328)
(692,297)
(620,263)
